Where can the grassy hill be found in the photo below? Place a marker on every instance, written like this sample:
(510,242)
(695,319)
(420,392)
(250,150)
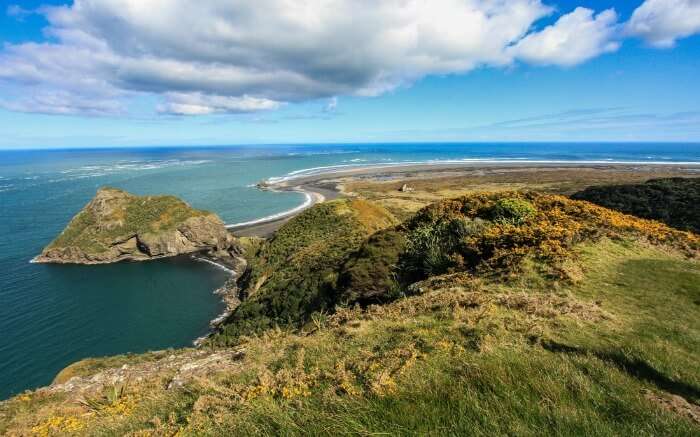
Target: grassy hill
(116,226)
(293,275)
(674,201)
(489,314)
(115,213)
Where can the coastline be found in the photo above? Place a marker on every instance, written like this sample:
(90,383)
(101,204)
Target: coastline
(311,176)
(326,183)
(228,291)
(266,226)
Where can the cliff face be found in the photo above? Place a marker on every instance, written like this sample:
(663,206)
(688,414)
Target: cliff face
(117,226)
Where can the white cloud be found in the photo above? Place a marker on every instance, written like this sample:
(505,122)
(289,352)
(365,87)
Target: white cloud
(332,105)
(575,38)
(662,22)
(65,103)
(201,104)
(250,55)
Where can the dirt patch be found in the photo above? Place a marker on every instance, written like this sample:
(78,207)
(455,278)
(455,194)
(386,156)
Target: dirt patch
(675,404)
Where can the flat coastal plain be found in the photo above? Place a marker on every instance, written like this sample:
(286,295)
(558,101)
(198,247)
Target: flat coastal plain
(427,183)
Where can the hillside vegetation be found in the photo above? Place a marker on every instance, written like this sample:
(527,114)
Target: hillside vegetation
(294,274)
(674,201)
(116,225)
(115,213)
(489,314)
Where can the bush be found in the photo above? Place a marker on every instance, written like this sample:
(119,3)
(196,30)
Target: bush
(369,275)
(550,226)
(295,273)
(674,201)
(512,211)
(437,248)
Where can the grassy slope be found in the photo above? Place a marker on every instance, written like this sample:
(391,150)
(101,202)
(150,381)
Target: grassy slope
(136,214)
(601,353)
(294,274)
(472,358)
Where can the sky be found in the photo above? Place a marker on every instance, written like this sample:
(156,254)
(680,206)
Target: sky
(92,73)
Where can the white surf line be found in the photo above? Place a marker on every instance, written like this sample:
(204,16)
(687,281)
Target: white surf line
(221,266)
(351,168)
(310,198)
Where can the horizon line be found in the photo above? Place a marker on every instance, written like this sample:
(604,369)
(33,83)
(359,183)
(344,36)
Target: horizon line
(338,143)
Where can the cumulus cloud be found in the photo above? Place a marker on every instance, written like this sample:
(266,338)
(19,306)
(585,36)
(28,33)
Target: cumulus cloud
(576,37)
(251,55)
(662,22)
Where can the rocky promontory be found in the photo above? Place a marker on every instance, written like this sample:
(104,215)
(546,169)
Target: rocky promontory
(119,226)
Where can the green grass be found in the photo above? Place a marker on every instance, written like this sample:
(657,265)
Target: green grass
(489,395)
(601,349)
(294,274)
(131,215)
(576,376)
(656,296)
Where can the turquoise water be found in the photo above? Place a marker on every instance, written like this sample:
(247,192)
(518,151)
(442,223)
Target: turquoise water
(53,315)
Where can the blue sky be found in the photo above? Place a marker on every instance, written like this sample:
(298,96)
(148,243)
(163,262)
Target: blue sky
(116,73)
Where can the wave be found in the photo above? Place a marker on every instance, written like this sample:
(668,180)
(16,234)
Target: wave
(308,201)
(340,168)
(324,152)
(214,263)
(309,172)
(88,171)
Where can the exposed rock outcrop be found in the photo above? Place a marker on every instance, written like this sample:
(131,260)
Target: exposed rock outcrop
(118,226)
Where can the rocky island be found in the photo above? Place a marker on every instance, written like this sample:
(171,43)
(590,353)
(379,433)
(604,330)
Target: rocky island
(119,226)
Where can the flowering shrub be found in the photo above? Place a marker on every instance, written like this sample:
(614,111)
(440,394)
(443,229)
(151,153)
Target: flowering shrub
(58,425)
(512,211)
(542,226)
(674,201)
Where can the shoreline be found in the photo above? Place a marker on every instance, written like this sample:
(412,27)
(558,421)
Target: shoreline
(266,226)
(228,291)
(299,178)
(310,198)
(326,183)
(351,169)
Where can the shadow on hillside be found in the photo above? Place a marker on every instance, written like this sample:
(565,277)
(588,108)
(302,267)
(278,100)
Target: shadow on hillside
(634,367)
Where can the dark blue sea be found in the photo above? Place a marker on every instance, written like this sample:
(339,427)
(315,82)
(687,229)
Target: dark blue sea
(53,315)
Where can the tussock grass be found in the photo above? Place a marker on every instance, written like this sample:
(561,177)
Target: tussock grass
(467,356)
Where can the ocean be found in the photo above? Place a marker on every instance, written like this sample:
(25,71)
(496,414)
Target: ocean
(53,315)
